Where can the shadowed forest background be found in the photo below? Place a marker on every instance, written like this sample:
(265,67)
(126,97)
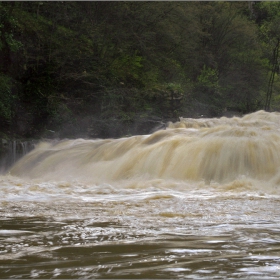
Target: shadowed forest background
(111,69)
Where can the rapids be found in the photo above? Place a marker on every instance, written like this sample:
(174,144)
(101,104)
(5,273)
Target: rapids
(211,150)
(197,200)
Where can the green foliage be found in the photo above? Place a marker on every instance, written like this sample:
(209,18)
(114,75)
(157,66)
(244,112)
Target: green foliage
(208,90)
(72,61)
(208,78)
(267,16)
(6,99)
(127,68)
(8,26)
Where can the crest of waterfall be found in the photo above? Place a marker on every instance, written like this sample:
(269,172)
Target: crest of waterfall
(212,150)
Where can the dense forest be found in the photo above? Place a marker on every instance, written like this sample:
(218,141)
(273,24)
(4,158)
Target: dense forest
(110,69)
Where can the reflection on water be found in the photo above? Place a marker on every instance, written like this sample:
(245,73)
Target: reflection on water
(170,205)
(151,236)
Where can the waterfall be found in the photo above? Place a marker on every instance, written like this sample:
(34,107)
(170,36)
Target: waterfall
(219,150)
(13,150)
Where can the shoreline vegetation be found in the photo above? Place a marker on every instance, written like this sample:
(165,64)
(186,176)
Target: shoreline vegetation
(111,69)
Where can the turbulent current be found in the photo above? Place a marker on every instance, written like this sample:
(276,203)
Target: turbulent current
(199,200)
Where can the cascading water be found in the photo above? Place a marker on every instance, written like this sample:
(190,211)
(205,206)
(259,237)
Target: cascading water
(210,150)
(199,200)
(14,150)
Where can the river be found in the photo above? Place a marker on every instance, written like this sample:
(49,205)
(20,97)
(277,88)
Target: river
(198,200)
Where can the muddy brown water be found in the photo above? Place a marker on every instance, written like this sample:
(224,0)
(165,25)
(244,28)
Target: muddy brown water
(199,200)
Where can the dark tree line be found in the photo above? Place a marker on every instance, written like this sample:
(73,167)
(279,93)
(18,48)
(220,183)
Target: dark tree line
(100,69)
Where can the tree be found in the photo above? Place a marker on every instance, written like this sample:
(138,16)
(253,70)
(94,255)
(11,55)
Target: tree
(267,15)
(73,64)
(229,46)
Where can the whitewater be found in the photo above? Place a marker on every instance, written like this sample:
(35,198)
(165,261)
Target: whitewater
(199,199)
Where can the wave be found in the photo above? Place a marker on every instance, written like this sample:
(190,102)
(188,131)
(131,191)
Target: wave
(218,150)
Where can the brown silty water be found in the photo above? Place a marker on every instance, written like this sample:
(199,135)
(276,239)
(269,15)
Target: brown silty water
(197,200)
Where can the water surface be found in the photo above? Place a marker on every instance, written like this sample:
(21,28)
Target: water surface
(198,200)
